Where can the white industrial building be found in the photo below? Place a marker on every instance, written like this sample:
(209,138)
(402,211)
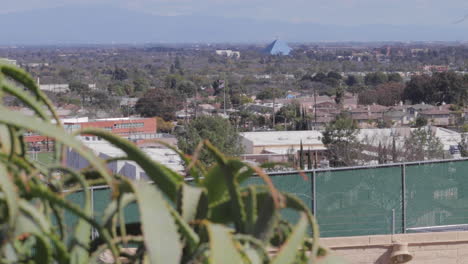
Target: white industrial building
(8,61)
(228,53)
(281,142)
(130,169)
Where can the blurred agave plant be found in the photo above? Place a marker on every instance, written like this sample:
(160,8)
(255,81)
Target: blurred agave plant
(212,219)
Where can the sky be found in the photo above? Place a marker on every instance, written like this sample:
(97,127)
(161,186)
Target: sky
(335,12)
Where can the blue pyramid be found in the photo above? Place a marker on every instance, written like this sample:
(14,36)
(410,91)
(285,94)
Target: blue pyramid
(278,47)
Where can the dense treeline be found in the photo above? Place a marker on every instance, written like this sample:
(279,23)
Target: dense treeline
(440,87)
(448,87)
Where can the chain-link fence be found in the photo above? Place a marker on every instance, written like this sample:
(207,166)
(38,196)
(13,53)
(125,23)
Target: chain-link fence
(384,199)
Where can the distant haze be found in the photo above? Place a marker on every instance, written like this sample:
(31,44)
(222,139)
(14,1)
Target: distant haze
(104,25)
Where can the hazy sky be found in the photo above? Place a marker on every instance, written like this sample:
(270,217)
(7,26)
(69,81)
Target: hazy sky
(339,12)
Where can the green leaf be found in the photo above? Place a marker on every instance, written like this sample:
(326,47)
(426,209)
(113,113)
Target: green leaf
(289,250)
(251,209)
(159,229)
(166,179)
(6,143)
(113,207)
(186,231)
(9,189)
(35,215)
(267,218)
(59,134)
(27,100)
(23,78)
(223,249)
(215,184)
(43,251)
(188,202)
(82,237)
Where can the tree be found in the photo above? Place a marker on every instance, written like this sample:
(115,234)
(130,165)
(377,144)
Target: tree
(217,130)
(390,93)
(463,145)
(417,89)
(319,77)
(334,75)
(394,150)
(395,77)
(270,93)
(421,121)
(387,94)
(141,85)
(119,74)
(448,87)
(164,126)
(159,102)
(375,78)
(422,144)
(339,94)
(352,80)
(340,139)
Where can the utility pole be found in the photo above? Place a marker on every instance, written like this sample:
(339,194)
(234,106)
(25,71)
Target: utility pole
(315,108)
(186,110)
(224,89)
(196,101)
(274,102)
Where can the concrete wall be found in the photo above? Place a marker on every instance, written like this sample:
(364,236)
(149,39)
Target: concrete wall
(427,248)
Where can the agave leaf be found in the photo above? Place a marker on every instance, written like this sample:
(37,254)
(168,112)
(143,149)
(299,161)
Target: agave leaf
(251,209)
(9,189)
(59,134)
(295,203)
(26,225)
(253,256)
(22,77)
(79,251)
(215,184)
(223,250)
(82,237)
(9,253)
(186,231)
(288,252)
(217,155)
(188,202)
(267,218)
(5,140)
(35,215)
(27,100)
(159,229)
(166,179)
(43,251)
(191,163)
(254,249)
(112,208)
(237,204)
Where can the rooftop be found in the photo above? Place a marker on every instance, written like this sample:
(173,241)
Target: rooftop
(272,138)
(161,155)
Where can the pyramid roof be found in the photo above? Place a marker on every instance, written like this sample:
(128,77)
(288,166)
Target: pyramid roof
(278,47)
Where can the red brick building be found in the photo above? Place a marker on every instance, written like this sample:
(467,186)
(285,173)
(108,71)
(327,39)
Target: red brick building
(130,128)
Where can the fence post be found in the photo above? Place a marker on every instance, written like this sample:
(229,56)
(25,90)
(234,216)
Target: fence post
(403,198)
(314,194)
(93,230)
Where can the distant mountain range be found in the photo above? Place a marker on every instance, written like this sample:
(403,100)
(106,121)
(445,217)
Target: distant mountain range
(101,25)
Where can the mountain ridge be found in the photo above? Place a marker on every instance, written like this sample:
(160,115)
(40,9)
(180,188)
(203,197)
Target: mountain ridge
(103,25)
